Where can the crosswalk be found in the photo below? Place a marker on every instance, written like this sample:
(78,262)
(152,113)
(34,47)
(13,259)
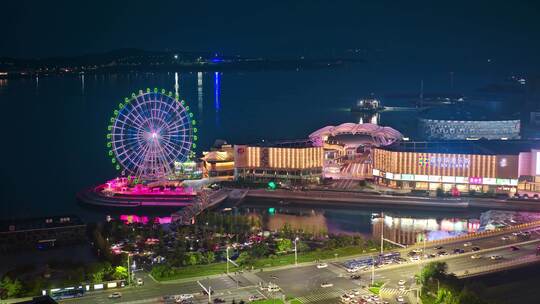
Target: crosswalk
(321,297)
(392,292)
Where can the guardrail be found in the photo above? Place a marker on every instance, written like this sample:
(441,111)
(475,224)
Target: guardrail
(477,235)
(475,271)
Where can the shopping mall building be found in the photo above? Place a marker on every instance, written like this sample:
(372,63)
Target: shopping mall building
(482,166)
(294,162)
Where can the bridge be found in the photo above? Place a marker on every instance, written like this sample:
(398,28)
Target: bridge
(207,199)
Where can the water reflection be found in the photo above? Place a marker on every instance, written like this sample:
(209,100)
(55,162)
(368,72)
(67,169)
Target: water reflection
(217,93)
(176,85)
(407,227)
(407,230)
(200,91)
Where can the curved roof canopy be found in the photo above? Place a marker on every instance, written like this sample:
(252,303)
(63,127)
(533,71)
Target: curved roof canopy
(382,136)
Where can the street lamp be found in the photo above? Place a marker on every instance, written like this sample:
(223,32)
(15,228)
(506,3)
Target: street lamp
(295,252)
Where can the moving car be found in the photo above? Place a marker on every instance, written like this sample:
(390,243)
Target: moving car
(219,300)
(322,265)
(459,250)
(401,282)
(476,256)
(186,296)
(514,248)
(495,257)
(115,295)
(353,269)
(326,284)
(467,244)
(400,299)
(475,248)
(355,277)
(140,282)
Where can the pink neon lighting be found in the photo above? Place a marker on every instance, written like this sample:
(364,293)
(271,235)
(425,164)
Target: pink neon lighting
(120,185)
(143,219)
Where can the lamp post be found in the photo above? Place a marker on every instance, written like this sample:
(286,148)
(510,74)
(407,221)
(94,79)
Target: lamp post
(295,252)
(227,252)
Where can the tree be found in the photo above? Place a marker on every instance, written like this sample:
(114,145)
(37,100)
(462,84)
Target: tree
(193,258)
(120,272)
(259,250)
(433,270)
(284,245)
(445,296)
(13,288)
(244,259)
(209,257)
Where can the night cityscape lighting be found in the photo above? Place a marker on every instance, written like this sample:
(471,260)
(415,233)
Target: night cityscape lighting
(287,152)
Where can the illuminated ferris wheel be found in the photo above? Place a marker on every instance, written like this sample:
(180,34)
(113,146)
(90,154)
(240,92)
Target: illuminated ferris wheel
(149,132)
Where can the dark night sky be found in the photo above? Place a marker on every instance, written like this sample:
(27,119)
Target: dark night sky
(507,31)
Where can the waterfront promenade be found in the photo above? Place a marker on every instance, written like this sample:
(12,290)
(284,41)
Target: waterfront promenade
(357,199)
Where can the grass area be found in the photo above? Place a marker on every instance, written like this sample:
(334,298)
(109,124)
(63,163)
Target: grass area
(196,271)
(280,260)
(311,256)
(376,287)
(295,301)
(270,301)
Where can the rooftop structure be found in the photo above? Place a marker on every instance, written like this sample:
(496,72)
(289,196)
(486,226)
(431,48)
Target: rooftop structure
(381,136)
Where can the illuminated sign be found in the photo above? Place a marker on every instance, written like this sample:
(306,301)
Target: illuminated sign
(435,178)
(389,175)
(461,180)
(490,181)
(475,180)
(448,179)
(407,177)
(421,178)
(537,163)
(446,162)
(376,172)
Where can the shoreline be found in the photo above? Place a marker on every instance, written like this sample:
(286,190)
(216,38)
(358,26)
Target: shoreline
(352,199)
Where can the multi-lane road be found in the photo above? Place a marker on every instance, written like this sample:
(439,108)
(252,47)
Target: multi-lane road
(304,281)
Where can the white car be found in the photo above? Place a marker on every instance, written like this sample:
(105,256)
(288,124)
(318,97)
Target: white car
(326,284)
(115,295)
(401,282)
(356,292)
(414,258)
(322,265)
(476,256)
(495,257)
(505,238)
(400,299)
(353,269)
(467,244)
(140,282)
(185,296)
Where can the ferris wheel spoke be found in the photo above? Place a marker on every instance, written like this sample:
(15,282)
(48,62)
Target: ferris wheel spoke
(135,146)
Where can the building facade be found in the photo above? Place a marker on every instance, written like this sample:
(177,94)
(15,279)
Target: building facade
(292,164)
(433,129)
(447,171)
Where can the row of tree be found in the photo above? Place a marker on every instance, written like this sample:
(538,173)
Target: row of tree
(441,287)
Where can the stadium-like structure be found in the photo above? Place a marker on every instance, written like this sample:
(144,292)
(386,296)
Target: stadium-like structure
(378,135)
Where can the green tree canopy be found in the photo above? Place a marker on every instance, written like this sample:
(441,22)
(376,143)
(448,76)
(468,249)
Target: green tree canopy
(284,245)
